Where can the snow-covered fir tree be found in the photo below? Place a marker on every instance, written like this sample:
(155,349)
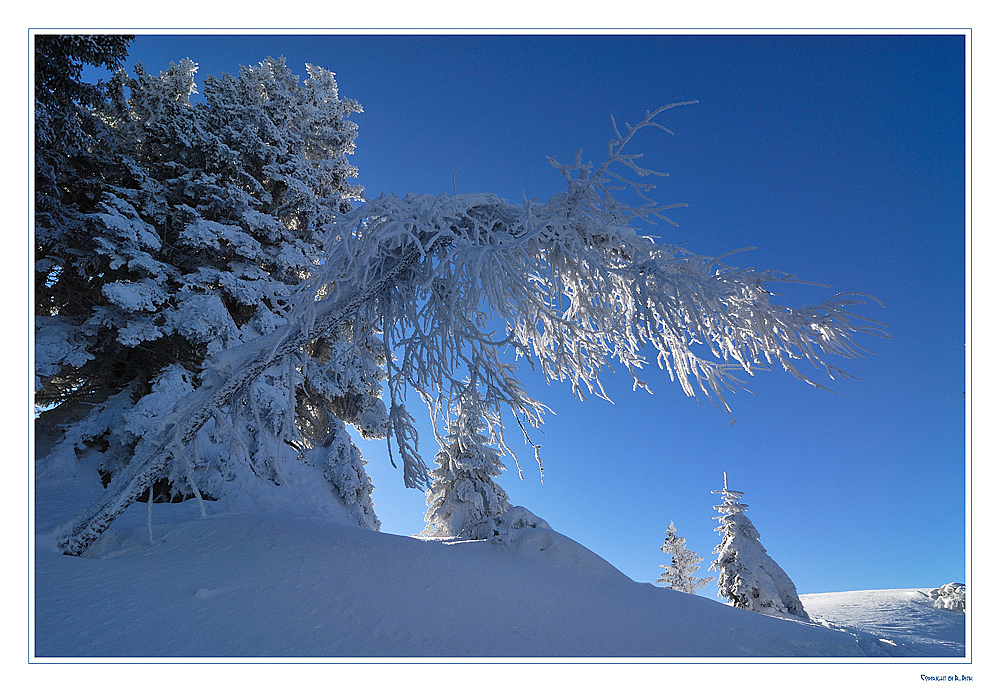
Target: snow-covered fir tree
(679,574)
(748,577)
(462,490)
(204,221)
(77,157)
(235,308)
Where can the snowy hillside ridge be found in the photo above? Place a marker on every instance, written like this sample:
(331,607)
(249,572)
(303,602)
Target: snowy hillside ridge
(286,580)
(288,572)
(905,622)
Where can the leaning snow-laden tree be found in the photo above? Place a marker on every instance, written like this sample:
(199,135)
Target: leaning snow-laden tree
(679,574)
(206,219)
(461,285)
(748,577)
(462,490)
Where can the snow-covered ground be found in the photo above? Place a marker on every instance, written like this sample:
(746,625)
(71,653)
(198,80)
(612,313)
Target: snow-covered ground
(288,582)
(904,621)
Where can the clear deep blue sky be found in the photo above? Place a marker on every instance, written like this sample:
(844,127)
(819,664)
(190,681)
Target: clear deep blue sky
(841,158)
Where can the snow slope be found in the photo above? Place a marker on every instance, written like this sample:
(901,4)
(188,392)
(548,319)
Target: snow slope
(286,581)
(246,585)
(288,572)
(904,621)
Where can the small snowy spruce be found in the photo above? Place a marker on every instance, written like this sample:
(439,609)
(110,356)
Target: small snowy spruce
(748,577)
(679,574)
(463,491)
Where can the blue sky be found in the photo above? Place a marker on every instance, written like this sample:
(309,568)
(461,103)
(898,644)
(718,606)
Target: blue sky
(841,158)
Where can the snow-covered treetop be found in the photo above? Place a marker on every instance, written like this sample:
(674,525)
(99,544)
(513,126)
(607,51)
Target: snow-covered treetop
(731,508)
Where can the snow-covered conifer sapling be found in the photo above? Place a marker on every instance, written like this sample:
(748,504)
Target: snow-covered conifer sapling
(748,577)
(679,574)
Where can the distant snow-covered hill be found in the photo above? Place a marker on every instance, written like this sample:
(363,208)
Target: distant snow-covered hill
(903,621)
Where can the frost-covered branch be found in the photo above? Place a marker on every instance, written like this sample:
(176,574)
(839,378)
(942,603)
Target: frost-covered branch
(572,287)
(465,284)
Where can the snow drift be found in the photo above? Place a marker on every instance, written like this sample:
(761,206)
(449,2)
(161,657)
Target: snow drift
(902,622)
(291,581)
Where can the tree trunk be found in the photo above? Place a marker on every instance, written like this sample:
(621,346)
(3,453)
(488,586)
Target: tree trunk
(224,376)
